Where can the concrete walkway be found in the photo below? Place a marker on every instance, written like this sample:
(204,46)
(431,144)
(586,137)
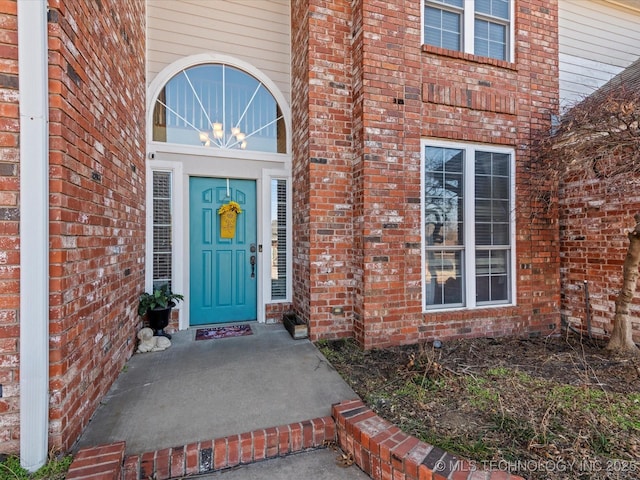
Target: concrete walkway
(198,391)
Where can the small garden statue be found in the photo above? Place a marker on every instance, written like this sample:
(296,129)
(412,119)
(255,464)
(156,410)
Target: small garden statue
(151,343)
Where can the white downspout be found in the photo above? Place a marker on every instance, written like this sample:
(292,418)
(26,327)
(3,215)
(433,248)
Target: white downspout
(34,232)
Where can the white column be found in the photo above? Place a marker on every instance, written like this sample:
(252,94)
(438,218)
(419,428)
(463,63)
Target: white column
(34,233)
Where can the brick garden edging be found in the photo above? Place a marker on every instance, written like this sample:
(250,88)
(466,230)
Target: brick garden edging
(384,452)
(103,462)
(107,462)
(378,447)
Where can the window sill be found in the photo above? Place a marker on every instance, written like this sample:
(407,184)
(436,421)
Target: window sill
(444,52)
(430,311)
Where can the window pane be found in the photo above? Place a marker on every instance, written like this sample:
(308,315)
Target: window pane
(495,8)
(490,39)
(481,47)
(499,260)
(483,6)
(492,233)
(492,199)
(500,210)
(500,234)
(483,186)
(219,106)
(278,239)
(162,269)
(443,196)
(162,238)
(443,280)
(499,288)
(162,229)
(455,3)
(453,182)
(161,210)
(431,36)
(482,289)
(433,17)
(451,41)
(450,22)
(489,163)
(492,276)
(483,210)
(452,233)
(497,33)
(497,50)
(441,159)
(500,164)
(483,233)
(442,28)
(500,187)
(482,29)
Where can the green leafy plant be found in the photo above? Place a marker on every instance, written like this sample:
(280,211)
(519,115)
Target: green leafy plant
(159,299)
(55,469)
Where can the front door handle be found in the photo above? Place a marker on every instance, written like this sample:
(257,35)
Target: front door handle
(252,261)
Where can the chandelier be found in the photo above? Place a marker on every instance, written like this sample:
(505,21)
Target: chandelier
(217,137)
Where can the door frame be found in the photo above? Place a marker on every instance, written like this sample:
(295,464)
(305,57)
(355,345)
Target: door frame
(184,165)
(189,253)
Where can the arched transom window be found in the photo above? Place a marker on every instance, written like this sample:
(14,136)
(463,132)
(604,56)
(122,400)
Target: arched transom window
(219,106)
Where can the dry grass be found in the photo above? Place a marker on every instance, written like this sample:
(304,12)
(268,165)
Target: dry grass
(554,408)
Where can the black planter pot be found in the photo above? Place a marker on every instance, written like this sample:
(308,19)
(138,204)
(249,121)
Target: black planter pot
(159,319)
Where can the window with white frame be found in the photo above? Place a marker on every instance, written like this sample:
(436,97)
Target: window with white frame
(480,27)
(278,239)
(468,225)
(162,229)
(219,106)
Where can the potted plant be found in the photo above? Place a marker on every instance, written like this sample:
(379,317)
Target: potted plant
(157,307)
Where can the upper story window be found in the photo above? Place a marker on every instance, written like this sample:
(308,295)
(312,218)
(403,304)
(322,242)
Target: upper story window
(219,106)
(480,27)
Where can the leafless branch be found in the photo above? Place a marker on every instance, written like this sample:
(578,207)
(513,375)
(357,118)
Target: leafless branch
(598,138)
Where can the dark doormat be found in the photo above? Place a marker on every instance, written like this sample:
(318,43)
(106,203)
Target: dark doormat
(223,332)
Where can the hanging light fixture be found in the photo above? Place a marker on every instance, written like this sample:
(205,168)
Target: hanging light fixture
(217,137)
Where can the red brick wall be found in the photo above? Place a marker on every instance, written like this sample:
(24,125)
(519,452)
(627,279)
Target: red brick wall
(97,228)
(391,92)
(594,221)
(300,142)
(9,228)
(274,311)
(322,182)
(359,97)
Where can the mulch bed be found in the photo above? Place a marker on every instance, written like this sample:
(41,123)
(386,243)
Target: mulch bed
(556,407)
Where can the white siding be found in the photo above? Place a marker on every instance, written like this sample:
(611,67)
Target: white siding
(598,39)
(254,31)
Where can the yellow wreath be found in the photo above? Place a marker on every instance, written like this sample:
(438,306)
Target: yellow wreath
(230,207)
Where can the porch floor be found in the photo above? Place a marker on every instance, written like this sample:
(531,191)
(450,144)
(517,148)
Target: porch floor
(199,390)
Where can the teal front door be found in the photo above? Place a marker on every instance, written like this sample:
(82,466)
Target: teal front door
(223,271)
